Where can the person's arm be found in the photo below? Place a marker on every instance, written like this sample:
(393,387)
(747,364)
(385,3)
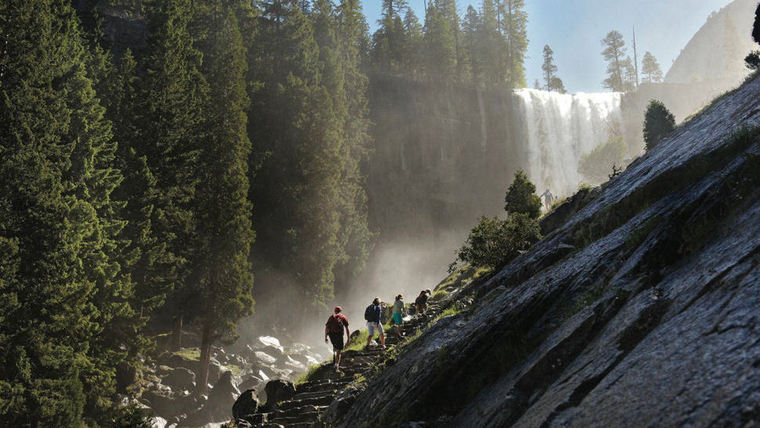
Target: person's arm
(348,335)
(325,333)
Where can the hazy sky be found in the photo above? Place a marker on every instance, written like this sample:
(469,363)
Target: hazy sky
(574,30)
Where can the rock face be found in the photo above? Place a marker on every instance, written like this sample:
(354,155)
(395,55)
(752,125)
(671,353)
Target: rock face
(640,309)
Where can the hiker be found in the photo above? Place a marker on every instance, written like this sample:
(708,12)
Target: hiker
(374,314)
(399,312)
(334,329)
(548,199)
(420,303)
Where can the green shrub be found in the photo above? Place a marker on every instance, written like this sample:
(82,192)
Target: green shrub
(521,197)
(494,242)
(753,60)
(658,123)
(597,165)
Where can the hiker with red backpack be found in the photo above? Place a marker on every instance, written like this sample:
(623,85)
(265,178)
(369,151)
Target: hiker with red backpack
(334,330)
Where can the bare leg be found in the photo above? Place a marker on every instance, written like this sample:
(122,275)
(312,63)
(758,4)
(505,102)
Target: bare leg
(382,340)
(337,362)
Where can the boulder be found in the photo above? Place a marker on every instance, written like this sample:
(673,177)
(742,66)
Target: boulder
(249,381)
(157,422)
(264,358)
(355,334)
(245,405)
(265,341)
(274,351)
(180,379)
(293,364)
(218,406)
(264,375)
(215,369)
(167,404)
(221,398)
(279,390)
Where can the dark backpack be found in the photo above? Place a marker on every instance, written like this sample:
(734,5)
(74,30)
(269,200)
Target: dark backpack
(334,325)
(369,313)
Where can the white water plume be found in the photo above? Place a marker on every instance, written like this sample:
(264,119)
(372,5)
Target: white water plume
(557,129)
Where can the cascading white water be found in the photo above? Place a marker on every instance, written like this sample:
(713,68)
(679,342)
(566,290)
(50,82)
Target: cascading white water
(557,129)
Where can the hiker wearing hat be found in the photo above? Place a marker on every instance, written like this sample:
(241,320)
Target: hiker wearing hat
(398,314)
(334,330)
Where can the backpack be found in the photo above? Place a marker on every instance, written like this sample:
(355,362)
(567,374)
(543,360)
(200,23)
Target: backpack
(334,325)
(369,313)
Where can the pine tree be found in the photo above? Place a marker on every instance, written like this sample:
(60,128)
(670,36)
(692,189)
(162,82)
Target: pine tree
(614,53)
(413,48)
(440,44)
(548,67)
(58,225)
(492,50)
(756,26)
(470,42)
(556,85)
(294,121)
(650,69)
(629,75)
(514,25)
(658,123)
(221,266)
(354,235)
(389,40)
(521,197)
(171,134)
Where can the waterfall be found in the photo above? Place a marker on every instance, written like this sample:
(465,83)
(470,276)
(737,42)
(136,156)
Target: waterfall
(557,129)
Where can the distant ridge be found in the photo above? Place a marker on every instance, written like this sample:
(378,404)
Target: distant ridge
(716,52)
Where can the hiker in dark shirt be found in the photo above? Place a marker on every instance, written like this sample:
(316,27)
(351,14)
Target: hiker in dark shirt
(334,329)
(373,314)
(420,303)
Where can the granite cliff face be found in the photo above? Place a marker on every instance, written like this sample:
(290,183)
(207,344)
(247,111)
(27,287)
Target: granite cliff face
(639,307)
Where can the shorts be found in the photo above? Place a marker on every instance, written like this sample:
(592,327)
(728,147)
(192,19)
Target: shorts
(398,319)
(337,340)
(372,326)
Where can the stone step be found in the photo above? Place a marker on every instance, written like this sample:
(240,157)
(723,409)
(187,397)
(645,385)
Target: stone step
(311,401)
(328,385)
(299,415)
(315,394)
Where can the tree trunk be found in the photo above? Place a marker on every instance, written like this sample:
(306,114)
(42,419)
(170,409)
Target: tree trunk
(202,381)
(177,334)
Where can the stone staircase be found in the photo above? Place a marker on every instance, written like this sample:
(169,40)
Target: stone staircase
(308,406)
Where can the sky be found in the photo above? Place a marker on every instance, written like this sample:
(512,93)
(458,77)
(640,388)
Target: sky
(574,30)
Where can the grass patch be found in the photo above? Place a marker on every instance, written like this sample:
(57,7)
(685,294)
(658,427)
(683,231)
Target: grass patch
(306,377)
(235,369)
(357,343)
(450,311)
(193,354)
(439,294)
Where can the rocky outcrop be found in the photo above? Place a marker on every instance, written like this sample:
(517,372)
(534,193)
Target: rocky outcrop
(279,390)
(180,378)
(245,405)
(637,310)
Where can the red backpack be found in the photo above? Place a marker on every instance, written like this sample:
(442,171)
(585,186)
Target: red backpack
(335,323)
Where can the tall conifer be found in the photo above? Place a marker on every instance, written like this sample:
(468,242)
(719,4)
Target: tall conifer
(58,224)
(221,266)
